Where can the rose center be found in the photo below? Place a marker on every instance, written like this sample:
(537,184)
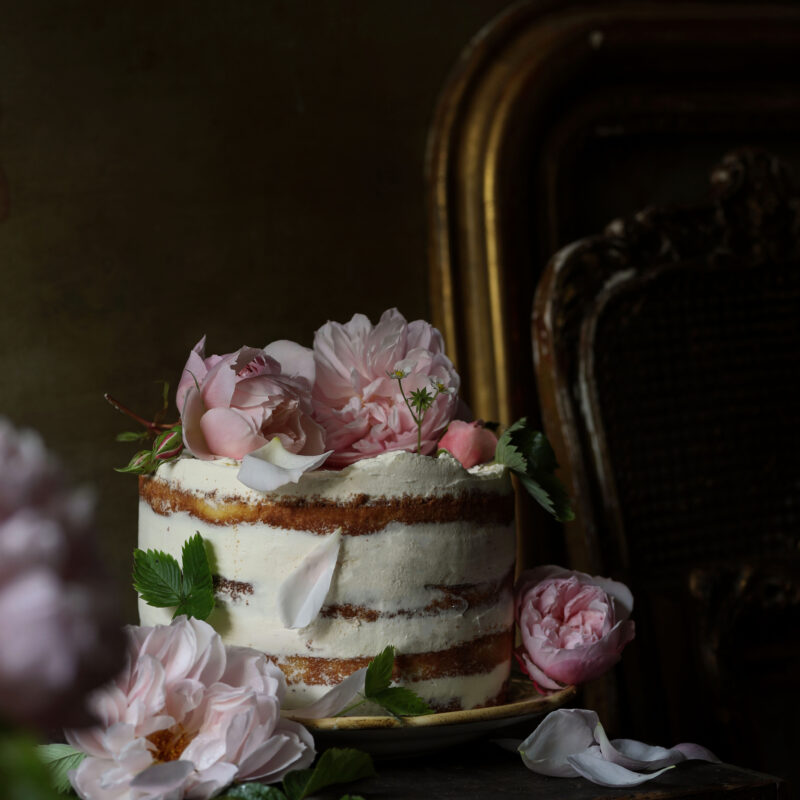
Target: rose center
(170,743)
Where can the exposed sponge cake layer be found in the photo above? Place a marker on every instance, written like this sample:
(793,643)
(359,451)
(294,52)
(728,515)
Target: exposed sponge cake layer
(428,570)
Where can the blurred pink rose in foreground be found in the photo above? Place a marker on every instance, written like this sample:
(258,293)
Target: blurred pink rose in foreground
(233,404)
(573,626)
(187,717)
(59,631)
(469,442)
(359,405)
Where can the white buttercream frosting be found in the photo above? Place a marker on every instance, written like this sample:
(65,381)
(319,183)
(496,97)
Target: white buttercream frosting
(389,475)
(397,571)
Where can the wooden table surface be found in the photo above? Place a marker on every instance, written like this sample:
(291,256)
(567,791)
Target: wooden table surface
(481,770)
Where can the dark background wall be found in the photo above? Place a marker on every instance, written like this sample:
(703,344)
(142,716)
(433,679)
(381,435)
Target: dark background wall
(247,170)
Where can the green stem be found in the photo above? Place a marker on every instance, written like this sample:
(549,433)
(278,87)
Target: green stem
(352,706)
(150,425)
(417,420)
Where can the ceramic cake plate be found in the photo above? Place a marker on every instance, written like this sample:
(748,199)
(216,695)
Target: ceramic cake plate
(389,736)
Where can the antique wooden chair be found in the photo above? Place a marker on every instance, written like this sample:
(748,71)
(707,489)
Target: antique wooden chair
(665,354)
(562,114)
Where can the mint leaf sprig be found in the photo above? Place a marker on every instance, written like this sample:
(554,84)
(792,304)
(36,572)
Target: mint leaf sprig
(528,454)
(397,700)
(161,582)
(167,436)
(421,399)
(337,765)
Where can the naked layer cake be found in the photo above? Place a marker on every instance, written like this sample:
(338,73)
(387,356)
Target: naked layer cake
(425,563)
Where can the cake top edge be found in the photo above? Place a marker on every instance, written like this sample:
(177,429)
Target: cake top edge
(392,474)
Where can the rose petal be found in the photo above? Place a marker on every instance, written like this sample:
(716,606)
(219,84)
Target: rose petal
(191,415)
(535,674)
(692,752)
(295,360)
(621,594)
(636,755)
(229,432)
(163,777)
(606,773)
(193,373)
(301,595)
(212,780)
(560,735)
(220,382)
(335,700)
(587,661)
(271,466)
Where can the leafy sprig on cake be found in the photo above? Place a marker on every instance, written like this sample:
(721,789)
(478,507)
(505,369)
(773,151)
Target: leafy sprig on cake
(397,700)
(166,438)
(163,583)
(421,399)
(528,454)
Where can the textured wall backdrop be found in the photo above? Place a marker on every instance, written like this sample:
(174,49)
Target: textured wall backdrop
(246,170)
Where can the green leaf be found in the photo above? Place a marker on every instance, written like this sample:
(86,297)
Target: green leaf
(24,776)
(198,585)
(396,700)
(529,455)
(538,493)
(537,450)
(60,759)
(157,578)
(253,791)
(351,797)
(141,464)
(421,399)
(506,452)
(379,673)
(401,702)
(334,766)
(132,436)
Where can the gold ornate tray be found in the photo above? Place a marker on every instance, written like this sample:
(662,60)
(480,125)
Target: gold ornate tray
(388,736)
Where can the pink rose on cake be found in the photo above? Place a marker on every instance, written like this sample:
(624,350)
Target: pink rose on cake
(358,402)
(233,404)
(573,626)
(187,717)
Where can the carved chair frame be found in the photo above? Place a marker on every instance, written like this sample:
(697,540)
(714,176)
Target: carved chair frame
(508,125)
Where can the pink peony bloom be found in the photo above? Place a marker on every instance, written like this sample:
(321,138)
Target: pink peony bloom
(469,442)
(359,405)
(233,404)
(187,717)
(59,633)
(573,626)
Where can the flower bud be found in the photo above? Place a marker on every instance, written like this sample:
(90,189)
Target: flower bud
(469,442)
(168,444)
(140,464)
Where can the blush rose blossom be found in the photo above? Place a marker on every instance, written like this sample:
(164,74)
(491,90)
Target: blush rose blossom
(185,718)
(469,442)
(233,404)
(360,407)
(59,629)
(573,626)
